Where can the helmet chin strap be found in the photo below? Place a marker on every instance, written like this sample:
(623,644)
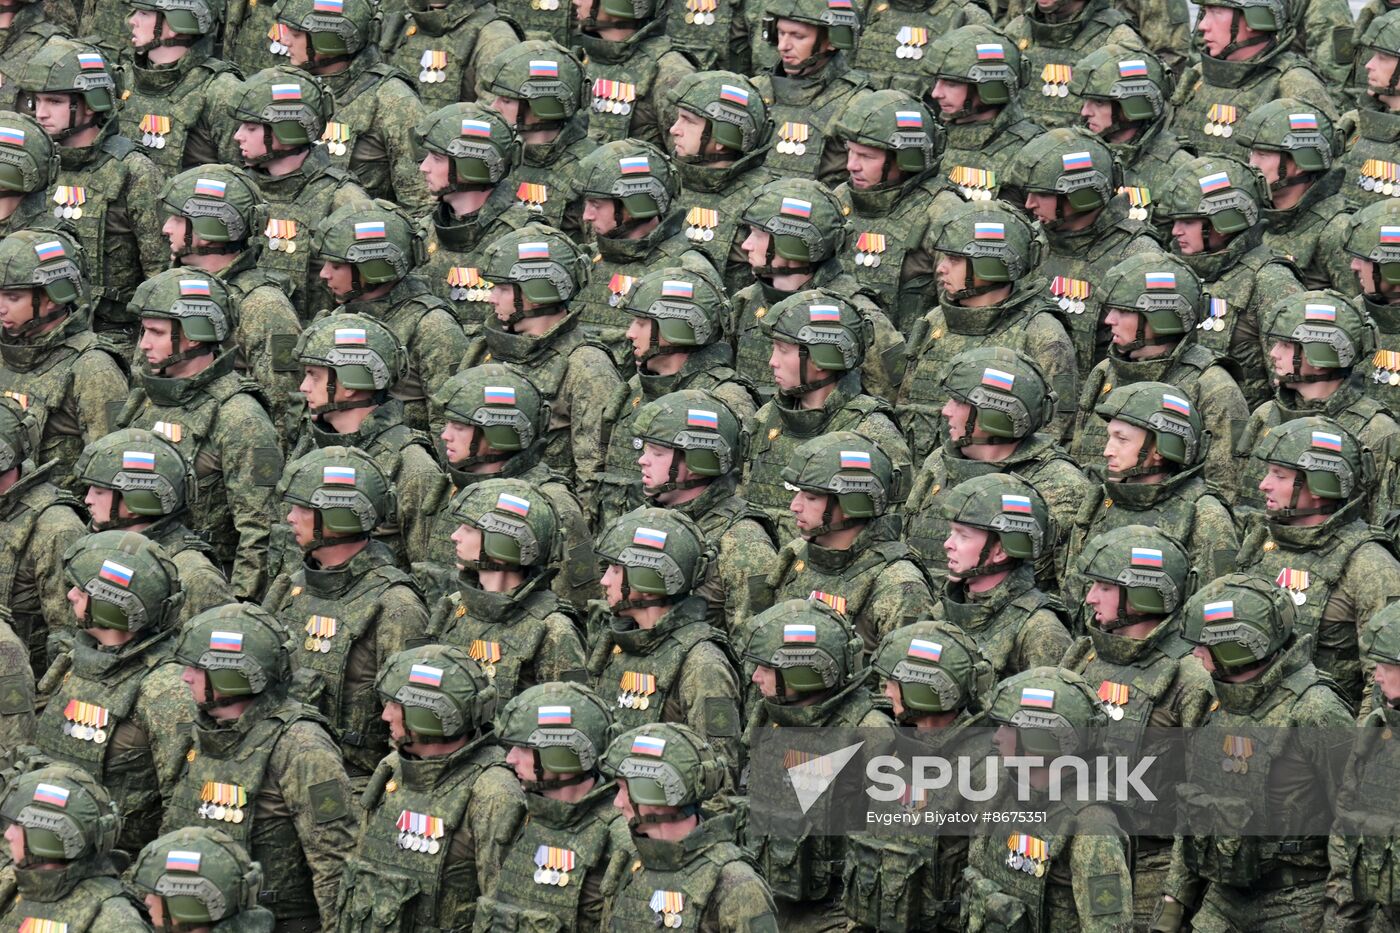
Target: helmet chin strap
(1141,339)
(674,484)
(374,400)
(521,127)
(1122,618)
(1292,511)
(115,522)
(319,539)
(985,566)
(1236,18)
(809,64)
(968,111)
(797,391)
(627,602)
(655,349)
(179,356)
(474,457)
(1141,468)
(828,526)
(768,271)
(540,785)
(702,157)
(210,249)
(969,427)
(1297,376)
(176,41)
(270,154)
(622,224)
(37,322)
(652,819)
(74,127)
(1292,181)
(521,313)
(1120,122)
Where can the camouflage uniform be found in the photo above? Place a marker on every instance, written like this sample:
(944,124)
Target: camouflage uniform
(1377,285)
(16,692)
(249,40)
(1165,27)
(894,32)
(33,25)
(273,775)
(28,165)
(542,21)
(446,46)
(716,36)
(122,713)
(1370,132)
(202,876)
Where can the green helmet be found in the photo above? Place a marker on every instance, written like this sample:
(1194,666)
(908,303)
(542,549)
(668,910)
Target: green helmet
(636,176)
(895,122)
(502,401)
(566,726)
(199,305)
(733,110)
(826,328)
(547,267)
(685,307)
(994,237)
(1164,292)
(517,523)
(1167,414)
(65,66)
(130,581)
(1324,454)
(663,552)
(186,18)
(544,74)
(1007,507)
(481,148)
(636,11)
(979,55)
(1373,234)
(1009,395)
(1068,162)
(222,204)
(1052,708)
(837,17)
(1133,78)
(18,433)
(151,474)
(1379,639)
(201,876)
(347,490)
(1295,128)
(291,105)
(242,647)
(65,813)
(1259,15)
(804,219)
(938,667)
(360,353)
(1223,191)
(1382,35)
(808,644)
(443,692)
(1326,328)
(339,29)
(666,765)
(1150,568)
(1241,619)
(697,423)
(47,259)
(845,467)
(28,157)
(377,237)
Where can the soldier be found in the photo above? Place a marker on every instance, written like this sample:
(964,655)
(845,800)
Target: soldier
(989,294)
(503,613)
(16,692)
(25,26)
(818,340)
(1376,263)
(1211,208)
(1069,181)
(665,773)
(51,363)
(359,609)
(998,526)
(495,424)
(889,32)
(690,445)
(536,86)
(667,662)
(214,214)
(377,109)
(1305,218)
(1070,872)
(997,406)
(189,393)
(1154,303)
(439,809)
(446,45)
(352,364)
(810,84)
(177,106)
(631,66)
(1369,161)
(895,197)
(197,877)
(1314,342)
(1314,541)
(1245,63)
(370,253)
(796,228)
(720,139)
(544,21)
(937,680)
(1139,580)
(716,35)
(38,522)
(808,665)
(61,827)
(1245,634)
(105,184)
(676,344)
(574,838)
(251,34)
(1152,469)
(535,274)
(281,113)
(263,764)
(468,152)
(121,712)
(973,76)
(136,480)
(848,549)
(1125,93)
(28,165)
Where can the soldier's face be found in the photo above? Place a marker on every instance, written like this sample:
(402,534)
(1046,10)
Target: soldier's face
(950,96)
(809,509)
(339,277)
(78,602)
(157,339)
(613,577)
(175,229)
(1190,236)
(14,836)
(198,681)
(298,45)
(314,384)
(1365,270)
(503,301)
(655,463)
(1124,444)
(1097,114)
(104,505)
(1268,162)
(639,333)
(1277,487)
(600,214)
(467,541)
(866,166)
(1214,26)
(1387,678)
(951,272)
(457,441)
(302,521)
(1005,741)
(1202,653)
(686,133)
(895,696)
(1380,68)
(766,680)
(1123,325)
(1281,353)
(958,415)
(251,144)
(786,365)
(1103,598)
(54,114)
(1044,207)
(621,801)
(16,308)
(393,715)
(435,168)
(963,547)
(143,27)
(798,42)
(155,905)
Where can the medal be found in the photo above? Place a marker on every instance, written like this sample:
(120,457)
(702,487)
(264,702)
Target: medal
(1379,176)
(869,246)
(1139,199)
(434,65)
(554,865)
(611,96)
(1070,293)
(486,653)
(1238,750)
(912,40)
(1114,697)
(85,721)
(281,236)
(1056,78)
(154,128)
(223,802)
(277,45)
(1028,854)
(1295,582)
(618,287)
(637,689)
(465,284)
(320,629)
(70,200)
(532,197)
(336,137)
(419,832)
(1386,367)
(1220,119)
(700,12)
(792,138)
(975,184)
(668,906)
(700,224)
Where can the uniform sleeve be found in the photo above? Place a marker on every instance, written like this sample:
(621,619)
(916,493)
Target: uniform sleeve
(882,373)
(1215,540)
(652,121)
(266,313)
(496,810)
(402,616)
(1224,412)
(879,428)
(97,383)
(1344,913)
(251,462)
(577,582)
(746,558)
(438,348)
(1326,34)
(56,529)
(901,597)
(204,586)
(1303,84)
(165,705)
(741,902)
(494,38)
(417,482)
(590,381)
(711,701)
(1048,343)
(142,197)
(1102,884)
(16,694)
(399,111)
(211,138)
(1043,640)
(1165,26)
(560,652)
(119,915)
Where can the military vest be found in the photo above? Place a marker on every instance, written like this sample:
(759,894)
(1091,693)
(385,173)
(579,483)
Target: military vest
(456,253)
(711,210)
(72,913)
(1207,115)
(644,682)
(996,628)
(616,268)
(403,317)
(702,29)
(848,589)
(222,793)
(20,512)
(648,895)
(893,36)
(439,52)
(541,19)
(356,114)
(1149,164)
(978,154)
(1233,305)
(614,88)
(1375,868)
(545,179)
(159,119)
(507,649)
(248,41)
(801,110)
(396,878)
(22,41)
(1298,233)
(877,243)
(1051,51)
(291,219)
(81,195)
(45,391)
(1371,163)
(1381,376)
